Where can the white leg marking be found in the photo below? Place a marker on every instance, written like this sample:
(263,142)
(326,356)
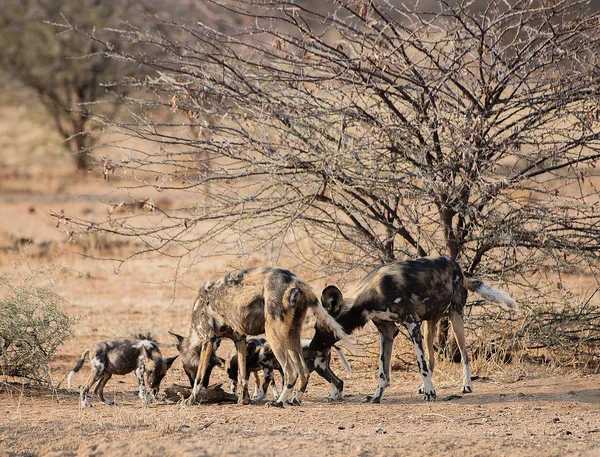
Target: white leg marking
(335,393)
(467,385)
(428,390)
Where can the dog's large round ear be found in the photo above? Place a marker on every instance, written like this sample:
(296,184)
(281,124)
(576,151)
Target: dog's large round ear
(332,300)
(179,339)
(147,352)
(250,347)
(169,361)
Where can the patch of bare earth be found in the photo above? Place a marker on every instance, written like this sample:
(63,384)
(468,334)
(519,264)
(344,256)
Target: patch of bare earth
(556,415)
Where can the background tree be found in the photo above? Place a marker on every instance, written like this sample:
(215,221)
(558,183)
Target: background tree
(376,133)
(49,61)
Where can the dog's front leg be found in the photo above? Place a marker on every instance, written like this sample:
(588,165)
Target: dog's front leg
(201,381)
(274,383)
(256,383)
(413,326)
(323,369)
(267,378)
(240,345)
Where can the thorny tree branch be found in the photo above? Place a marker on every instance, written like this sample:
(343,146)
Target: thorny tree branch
(381,132)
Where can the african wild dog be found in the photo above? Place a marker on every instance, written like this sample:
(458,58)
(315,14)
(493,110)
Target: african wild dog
(254,301)
(260,357)
(120,357)
(254,349)
(189,350)
(408,293)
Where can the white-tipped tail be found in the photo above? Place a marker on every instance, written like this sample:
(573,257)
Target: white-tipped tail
(324,320)
(343,359)
(70,378)
(499,297)
(77,367)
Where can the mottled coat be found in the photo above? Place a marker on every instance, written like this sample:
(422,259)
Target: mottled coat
(408,293)
(254,301)
(189,353)
(120,357)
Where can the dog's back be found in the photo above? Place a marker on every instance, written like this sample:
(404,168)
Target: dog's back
(120,356)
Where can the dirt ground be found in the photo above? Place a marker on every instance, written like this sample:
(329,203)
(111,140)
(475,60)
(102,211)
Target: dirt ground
(550,415)
(518,409)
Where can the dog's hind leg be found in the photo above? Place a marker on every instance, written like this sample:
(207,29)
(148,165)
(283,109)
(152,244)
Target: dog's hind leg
(458,328)
(93,378)
(428,336)
(295,355)
(139,374)
(387,333)
(323,369)
(99,390)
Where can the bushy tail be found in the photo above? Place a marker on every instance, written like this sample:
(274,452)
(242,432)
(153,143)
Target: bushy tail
(343,359)
(324,320)
(77,367)
(499,297)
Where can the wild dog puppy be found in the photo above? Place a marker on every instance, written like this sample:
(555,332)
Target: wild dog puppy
(261,357)
(120,357)
(254,349)
(254,301)
(189,352)
(408,293)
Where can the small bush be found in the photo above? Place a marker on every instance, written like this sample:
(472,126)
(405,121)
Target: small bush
(32,325)
(564,331)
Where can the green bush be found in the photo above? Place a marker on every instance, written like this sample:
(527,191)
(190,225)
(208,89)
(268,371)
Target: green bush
(32,325)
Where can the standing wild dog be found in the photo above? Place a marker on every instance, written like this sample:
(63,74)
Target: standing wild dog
(120,357)
(408,293)
(260,356)
(254,301)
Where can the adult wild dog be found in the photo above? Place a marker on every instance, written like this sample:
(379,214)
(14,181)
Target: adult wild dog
(253,301)
(123,356)
(408,293)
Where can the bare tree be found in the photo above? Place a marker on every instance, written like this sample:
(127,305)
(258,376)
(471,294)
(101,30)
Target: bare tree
(378,132)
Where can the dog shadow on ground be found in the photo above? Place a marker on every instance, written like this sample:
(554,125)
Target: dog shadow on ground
(591,396)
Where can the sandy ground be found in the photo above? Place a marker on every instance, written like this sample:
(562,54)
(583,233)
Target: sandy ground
(542,414)
(518,409)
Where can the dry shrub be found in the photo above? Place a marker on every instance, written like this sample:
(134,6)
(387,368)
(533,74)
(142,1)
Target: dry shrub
(563,331)
(32,323)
